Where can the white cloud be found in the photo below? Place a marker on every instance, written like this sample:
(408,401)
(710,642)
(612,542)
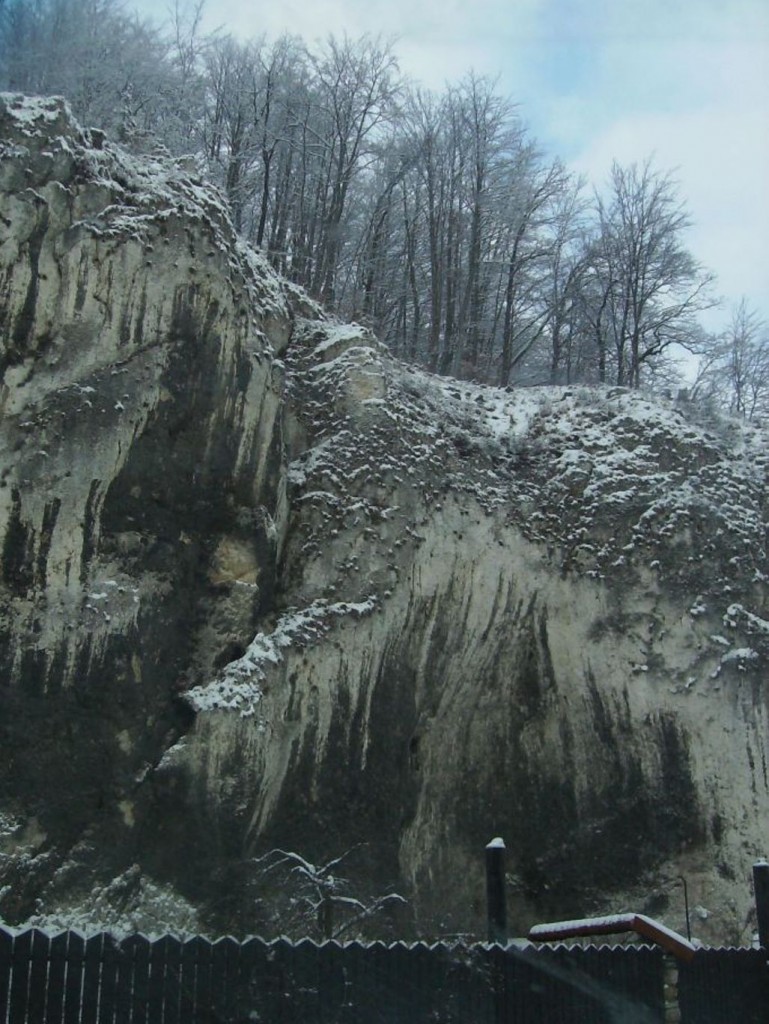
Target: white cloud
(703,114)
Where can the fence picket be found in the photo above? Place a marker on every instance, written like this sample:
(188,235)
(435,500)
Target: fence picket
(173,983)
(253,964)
(38,975)
(156,986)
(187,972)
(6,960)
(202,988)
(22,950)
(225,955)
(57,971)
(124,983)
(111,957)
(140,948)
(92,961)
(74,981)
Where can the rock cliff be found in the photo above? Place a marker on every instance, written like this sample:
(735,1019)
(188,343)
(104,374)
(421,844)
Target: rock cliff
(264,587)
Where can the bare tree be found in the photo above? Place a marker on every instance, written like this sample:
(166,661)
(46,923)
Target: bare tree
(356,83)
(110,66)
(321,899)
(652,288)
(233,115)
(734,366)
(533,215)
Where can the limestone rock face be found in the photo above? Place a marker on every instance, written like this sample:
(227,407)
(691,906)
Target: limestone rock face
(326,602)
(143,483)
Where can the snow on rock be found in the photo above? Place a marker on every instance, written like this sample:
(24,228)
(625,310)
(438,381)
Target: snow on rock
(555,570)
(237,688)
(123,906)
(270,588)
(142,470)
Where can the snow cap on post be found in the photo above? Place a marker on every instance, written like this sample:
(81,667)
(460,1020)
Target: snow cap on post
(496,907)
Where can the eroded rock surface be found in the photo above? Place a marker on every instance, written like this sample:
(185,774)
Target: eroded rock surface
(264,587)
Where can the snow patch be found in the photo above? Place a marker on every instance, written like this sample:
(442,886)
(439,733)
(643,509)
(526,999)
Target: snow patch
(238,688)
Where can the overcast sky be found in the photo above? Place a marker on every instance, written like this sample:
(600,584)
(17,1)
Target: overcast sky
(684,80)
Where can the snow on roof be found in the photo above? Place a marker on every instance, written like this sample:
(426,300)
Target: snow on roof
(645,926)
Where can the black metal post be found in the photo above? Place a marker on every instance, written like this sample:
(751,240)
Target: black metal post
(761,889)
(495,891)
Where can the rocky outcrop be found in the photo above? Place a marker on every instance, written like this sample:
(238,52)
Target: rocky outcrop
(143,487)
(264,587)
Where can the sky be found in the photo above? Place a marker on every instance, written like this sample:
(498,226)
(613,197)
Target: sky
(685,82)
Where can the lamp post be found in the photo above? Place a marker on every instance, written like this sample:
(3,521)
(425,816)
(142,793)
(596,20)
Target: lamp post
(686,907)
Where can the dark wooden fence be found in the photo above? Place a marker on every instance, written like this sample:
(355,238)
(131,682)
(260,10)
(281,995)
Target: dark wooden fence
(69,979)
(724,985)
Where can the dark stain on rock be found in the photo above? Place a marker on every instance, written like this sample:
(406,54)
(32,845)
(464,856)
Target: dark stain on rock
(603,723)
(679,810)
(124,329)
(81,288)
(90,529)
(22,330)
(243,369)
(50,515)
(18,550)
(752,764)
(141,312)
(717,827)
(535,674)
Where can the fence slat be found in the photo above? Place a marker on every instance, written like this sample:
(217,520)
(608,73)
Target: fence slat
(22,950)
(253,958)
(140,954)
(187,971)
(156,989)
(202,988)
(124,982)
(173,983)
(92,960)
(74,980)
(6,959)
(38,976)
(57,972)
(331,982)
(111,957)
(225,955)
(302,981)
